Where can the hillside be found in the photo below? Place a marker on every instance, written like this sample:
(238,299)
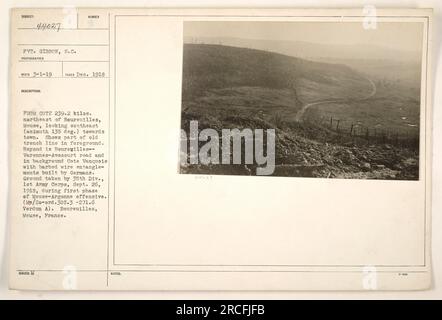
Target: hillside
(314,51)
(230,87)
(208,69)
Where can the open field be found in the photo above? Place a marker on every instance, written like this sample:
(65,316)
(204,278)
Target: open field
(389,110)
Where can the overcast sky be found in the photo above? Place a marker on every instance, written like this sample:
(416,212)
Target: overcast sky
(395,35)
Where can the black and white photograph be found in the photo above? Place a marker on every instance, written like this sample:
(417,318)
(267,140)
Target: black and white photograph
(302,99)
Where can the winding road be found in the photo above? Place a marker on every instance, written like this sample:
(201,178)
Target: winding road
(300,113)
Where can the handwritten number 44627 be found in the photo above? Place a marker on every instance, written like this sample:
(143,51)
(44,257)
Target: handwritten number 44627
(49,26)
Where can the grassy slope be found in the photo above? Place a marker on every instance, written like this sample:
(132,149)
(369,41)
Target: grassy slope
(215,67)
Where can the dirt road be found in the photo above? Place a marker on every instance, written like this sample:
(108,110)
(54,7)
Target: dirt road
(300,114)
